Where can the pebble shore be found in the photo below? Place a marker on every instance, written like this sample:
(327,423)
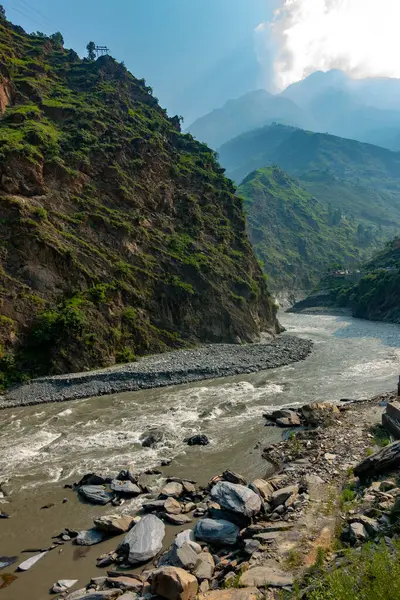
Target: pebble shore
(173,368)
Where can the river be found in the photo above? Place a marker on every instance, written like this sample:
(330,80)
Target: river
(43,447)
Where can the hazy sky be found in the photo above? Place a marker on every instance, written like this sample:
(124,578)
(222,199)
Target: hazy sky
(197,54)
(171,43)
(360,37)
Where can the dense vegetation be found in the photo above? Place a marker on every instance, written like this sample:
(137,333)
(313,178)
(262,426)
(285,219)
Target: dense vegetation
(359,180)
(119,236)
(295,236)
(376,295)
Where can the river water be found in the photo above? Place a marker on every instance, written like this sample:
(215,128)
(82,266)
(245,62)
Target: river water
(44,447)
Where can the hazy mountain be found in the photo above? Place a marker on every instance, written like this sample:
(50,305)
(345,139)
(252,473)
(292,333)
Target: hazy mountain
(366,110)
(360,180)
(248,112)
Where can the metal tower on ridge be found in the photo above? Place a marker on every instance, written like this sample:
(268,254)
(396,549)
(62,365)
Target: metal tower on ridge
(101,50)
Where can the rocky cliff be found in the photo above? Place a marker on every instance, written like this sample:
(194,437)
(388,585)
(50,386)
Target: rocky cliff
(119,235)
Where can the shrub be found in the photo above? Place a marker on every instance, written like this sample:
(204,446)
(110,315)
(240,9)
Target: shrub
(125,355)
(370,574)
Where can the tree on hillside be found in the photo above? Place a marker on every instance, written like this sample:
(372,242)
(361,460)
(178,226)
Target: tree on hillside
(57,39)
(91,50)
(2,12)
(39,34)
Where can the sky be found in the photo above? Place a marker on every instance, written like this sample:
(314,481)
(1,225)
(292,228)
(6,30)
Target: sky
(198,54)
(173,44)
(360,37)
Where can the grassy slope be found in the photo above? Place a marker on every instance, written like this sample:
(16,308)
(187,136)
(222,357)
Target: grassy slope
(118,234)
(290,230)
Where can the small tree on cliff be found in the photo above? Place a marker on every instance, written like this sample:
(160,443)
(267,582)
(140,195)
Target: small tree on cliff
(91,47)
(57,39)
(2,12)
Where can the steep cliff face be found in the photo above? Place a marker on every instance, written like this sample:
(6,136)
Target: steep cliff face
(119,236)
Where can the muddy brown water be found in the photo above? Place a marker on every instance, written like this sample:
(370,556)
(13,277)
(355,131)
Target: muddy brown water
(44,447)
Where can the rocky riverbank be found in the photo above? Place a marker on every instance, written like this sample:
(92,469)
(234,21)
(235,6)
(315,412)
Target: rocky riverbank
(236,538)
(171,368)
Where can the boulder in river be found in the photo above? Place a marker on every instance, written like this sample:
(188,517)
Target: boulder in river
(6,561)
(174,583)
(218,532)
(94,479)
(96,494)
(27,564)
(236,498)
(152,438)
(62,585)
(90,537)
(115,524)
(197,440)
(125,488)
(143,541)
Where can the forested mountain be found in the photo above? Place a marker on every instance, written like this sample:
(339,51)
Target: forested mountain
(294,235)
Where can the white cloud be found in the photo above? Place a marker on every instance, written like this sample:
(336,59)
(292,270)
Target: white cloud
(360,37)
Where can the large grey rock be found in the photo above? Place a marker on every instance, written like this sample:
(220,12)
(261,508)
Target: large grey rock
(186,557)
(62,585)
(154,505)
(264,488)
(27,564)
(237,498)
(115,524)
(251,546)
(371,525)
(90,537)
(96,494)
(172,489)
(216,532)
(357,533)
(265,577)
(126,488)
(197,440)
(144,540)
(187,537)
(205,566)
(384,461)
(281,496)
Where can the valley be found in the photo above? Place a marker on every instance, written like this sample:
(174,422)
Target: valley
(167,430)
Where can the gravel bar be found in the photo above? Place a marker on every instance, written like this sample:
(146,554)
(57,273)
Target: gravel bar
(172,368)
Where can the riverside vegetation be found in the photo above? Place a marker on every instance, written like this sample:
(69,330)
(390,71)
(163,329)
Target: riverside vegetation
(375,294)
(119,235)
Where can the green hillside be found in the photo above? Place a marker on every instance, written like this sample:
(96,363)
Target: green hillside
(119,236)
(376,296)
(295,236)
(361,180)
